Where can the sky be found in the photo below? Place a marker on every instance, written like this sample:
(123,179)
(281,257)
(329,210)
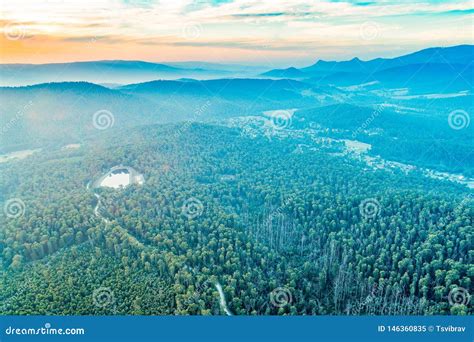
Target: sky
(274,33)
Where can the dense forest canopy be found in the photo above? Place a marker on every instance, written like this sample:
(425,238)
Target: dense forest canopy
(284,223)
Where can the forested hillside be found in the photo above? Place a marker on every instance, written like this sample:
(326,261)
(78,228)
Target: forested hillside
(285,224)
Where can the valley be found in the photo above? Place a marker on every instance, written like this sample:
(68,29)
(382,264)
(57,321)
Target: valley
(302,191)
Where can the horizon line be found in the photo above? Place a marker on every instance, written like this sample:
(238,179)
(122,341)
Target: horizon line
(237,63)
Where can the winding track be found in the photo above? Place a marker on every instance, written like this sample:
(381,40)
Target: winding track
(222,300)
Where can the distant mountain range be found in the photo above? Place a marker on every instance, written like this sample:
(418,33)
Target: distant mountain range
(443,69)
(462,54)
(32,116)
(116,72)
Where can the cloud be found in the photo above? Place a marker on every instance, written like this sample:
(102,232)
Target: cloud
(275,25)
